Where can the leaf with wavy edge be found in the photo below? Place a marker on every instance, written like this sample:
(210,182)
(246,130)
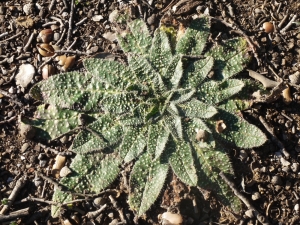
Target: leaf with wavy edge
(213,92)
(90,173)
(137,40)
(195,37)
(239,132)
(146,181)
(103,133)
(182,161)
(53,122)
(230,58)
(71,90)
(211,162)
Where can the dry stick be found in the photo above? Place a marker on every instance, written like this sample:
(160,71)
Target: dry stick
(30,199)
(120,211)
(15,214)
(56,184)
(283,20)
(49,23)
(81,21)
(74,42)
(13,99)
(66,4)
(94,214)
(8,120)
(241,32)
(70,22)
(289,24)
(258,215)
(19,185)
(55,151)
(29,41)
(61,37)
(58,20)
(3,34)
(71,52)
(51,5)
(12,37)
(273,137)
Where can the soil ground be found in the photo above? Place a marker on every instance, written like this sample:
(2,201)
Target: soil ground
(267,176)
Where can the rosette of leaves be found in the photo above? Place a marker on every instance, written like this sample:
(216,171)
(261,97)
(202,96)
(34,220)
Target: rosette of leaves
(151,111)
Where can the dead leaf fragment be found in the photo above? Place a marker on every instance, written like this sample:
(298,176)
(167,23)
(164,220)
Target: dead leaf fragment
(25,21)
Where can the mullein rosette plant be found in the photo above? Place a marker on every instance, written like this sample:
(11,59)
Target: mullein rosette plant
(160,111)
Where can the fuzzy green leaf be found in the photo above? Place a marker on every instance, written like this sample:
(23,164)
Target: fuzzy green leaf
(211,162)
(182,162)
(160,52)
(101,134)
(198,109)
(53,122)
(134,142)
(146,181)
(110,72)
(173,125)
(213,92)
(230,58)
(239,132)
(137,40)
(119,102)
(90,173)
(194,38)
(71,90)
(196,72)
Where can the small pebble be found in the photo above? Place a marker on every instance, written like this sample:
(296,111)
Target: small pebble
(255,196)
(295,167)
(276,180)
(268,27)
(12,90)
(284,162)
(56,36)
(43,163)
(24,147)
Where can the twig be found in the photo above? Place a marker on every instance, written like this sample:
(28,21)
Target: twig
(62,36)
(58,20)
(3,34)
(19,185)
(8,120)
(49,23)
(29,41)
(66,4)
(70,22)
(81,21)
(55,151)
(56,184)
(261,218)
(91,215)
(36,215)
(120,211)
(71,52)
(94,195)
(45,62)
(283,20)
(15,214)
(13,99)
(30,199)
(12,37)
(74,42)
(273,137)
(289,24)
(51,5)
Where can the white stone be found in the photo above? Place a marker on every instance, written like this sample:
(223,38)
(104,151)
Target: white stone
(25,75)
